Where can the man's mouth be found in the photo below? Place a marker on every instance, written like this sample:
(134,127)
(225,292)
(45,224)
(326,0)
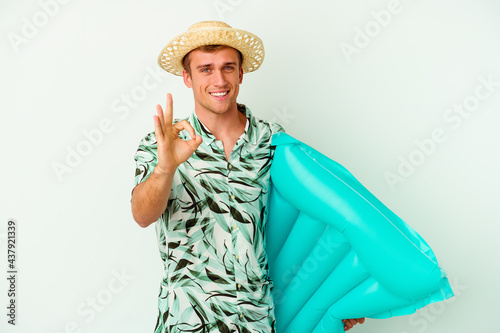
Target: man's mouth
(219,94)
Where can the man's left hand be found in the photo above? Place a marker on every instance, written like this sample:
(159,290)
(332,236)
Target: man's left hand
(349,323)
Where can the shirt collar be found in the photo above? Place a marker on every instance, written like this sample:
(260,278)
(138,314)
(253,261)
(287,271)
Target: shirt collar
(248,135)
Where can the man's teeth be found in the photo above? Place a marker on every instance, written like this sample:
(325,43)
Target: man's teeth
(219,94)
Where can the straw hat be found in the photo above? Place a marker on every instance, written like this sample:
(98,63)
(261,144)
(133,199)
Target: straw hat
(212,33)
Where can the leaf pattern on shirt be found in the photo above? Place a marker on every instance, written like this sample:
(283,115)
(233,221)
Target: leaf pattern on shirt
(211,236)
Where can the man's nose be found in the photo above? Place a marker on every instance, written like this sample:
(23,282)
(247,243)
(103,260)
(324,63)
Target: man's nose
(219,78)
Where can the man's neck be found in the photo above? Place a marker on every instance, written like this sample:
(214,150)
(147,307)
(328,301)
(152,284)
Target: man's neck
(229,125)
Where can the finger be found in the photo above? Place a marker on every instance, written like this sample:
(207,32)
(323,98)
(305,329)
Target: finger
(352,322)
(158,128)
(185,125)
(169,111)
(361,320)
(160,117)
(347,324)
(196,140)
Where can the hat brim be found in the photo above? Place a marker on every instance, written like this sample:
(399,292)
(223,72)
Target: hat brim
(250,46)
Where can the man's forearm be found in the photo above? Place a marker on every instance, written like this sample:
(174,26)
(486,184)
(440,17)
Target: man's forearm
(149,198)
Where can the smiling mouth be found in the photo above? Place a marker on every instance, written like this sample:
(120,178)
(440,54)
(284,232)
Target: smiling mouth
(219,93)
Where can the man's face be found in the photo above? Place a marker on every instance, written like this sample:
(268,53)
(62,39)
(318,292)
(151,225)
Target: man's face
(215,79)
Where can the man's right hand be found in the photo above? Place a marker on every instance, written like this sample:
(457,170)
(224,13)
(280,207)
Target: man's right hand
(172,150)
(149,198)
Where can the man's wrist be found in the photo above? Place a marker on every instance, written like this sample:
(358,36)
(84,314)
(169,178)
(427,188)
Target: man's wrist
(160,172)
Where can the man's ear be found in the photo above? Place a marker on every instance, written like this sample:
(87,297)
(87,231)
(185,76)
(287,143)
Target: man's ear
(187,79)
(241,74)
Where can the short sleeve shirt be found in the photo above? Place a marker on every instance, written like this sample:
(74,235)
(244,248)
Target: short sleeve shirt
(211,236)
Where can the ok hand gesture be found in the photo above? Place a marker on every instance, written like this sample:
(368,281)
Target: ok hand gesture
(172,150)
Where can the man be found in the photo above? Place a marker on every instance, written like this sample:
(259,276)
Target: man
(204,181)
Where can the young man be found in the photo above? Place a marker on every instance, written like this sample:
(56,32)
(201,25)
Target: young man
(204,181)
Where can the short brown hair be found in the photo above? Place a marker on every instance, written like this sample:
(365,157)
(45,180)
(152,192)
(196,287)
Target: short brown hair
(186,61)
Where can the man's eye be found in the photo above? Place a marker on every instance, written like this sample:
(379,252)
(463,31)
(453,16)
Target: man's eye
(205,70)
(229,68)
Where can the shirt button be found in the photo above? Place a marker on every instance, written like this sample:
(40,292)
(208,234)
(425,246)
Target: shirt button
(232,197)
(235,226)
(229,166)
(238,286)
(241,315)
(237,257)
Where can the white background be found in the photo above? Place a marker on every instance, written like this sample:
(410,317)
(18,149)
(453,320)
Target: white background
(70,72)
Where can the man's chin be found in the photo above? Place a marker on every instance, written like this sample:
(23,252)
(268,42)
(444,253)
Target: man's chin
(219,109)
(216,107)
